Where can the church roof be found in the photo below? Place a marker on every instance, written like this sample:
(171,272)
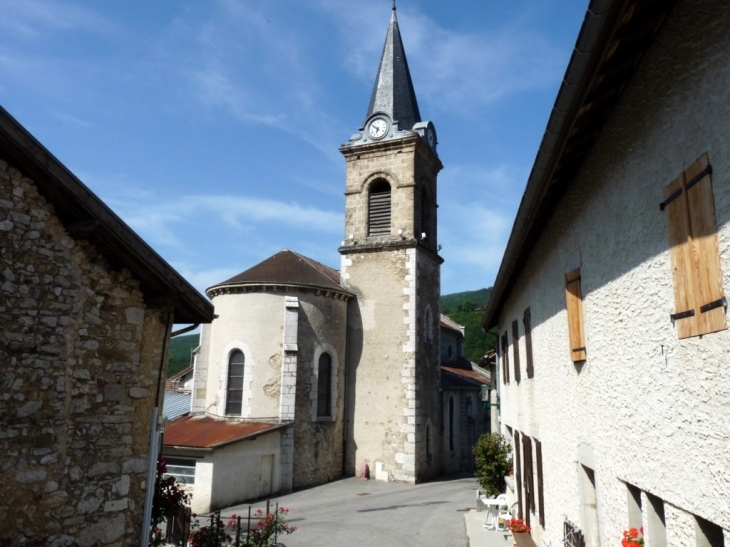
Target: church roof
(288,268)
(393,92)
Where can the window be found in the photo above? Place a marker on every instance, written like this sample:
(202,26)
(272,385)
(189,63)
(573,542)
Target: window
(234,393)
(324,386)
(428,323)
(574,305)
(589,505)
(505,359)
(540,499)
(379,209)
(428,442)
(656,522)
(708,534)
(528,477)
(516,349)
(518,474)
(633,498)
(527,322)
(183,470)
(699,299)
(451,423)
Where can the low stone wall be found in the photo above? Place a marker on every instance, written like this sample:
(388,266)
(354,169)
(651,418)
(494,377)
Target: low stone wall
(81,354)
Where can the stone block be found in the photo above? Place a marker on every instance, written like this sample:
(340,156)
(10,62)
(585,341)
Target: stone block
(116,505)
(138,392)
(103,468)
(29,477)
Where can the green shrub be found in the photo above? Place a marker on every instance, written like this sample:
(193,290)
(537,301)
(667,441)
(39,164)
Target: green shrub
(492,457)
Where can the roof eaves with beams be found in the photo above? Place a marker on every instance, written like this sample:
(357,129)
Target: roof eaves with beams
(85,216)
(612,41)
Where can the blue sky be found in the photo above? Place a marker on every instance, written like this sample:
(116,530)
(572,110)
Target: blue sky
(213,127)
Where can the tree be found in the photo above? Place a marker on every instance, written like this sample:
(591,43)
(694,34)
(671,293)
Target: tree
(492,457)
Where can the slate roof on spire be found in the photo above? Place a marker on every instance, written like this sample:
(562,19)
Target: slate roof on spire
(393,91)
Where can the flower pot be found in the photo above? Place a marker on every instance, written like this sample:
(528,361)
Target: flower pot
(523,539)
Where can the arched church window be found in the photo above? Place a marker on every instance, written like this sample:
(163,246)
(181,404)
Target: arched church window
(324,386)
(234,388)
(379,208)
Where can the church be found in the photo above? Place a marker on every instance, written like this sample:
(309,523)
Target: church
(308,373)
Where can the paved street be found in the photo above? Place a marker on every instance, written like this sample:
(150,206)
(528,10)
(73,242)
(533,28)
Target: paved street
(375,514)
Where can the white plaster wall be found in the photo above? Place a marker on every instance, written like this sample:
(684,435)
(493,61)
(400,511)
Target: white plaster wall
(229,475)
(652,409)
(254,323)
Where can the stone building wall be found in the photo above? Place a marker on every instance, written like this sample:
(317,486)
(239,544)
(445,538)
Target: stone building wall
(318,442)
(81,355)
(427,401)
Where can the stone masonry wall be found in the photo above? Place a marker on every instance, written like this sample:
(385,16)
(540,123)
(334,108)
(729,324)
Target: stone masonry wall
(80,355)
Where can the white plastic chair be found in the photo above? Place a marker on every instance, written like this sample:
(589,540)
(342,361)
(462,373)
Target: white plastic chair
(505,514)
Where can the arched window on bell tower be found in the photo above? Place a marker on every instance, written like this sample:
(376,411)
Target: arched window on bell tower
(379,208)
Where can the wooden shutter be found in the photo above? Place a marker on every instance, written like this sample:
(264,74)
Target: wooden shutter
(528,478)
(516,349)
(379,209)
(694,252)
(540,499)
(505,358)
(574,305)
(518,474)
(527,322)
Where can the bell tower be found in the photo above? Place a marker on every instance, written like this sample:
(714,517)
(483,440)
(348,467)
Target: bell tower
(390,260)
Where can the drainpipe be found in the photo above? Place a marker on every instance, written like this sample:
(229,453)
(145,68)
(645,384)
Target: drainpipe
(154,447)
(346,399)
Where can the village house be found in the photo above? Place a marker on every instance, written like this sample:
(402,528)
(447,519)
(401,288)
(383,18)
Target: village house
(87,310)
(610,299)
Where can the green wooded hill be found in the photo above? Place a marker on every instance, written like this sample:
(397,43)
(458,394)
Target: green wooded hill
(180,356)
(466,308)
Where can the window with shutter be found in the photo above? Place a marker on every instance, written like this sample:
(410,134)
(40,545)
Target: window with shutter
(516,349)
(699,297)
(527,322)
(379,209)
(540,499)
(505,359)
(574,305)
(528,477)
(518,474)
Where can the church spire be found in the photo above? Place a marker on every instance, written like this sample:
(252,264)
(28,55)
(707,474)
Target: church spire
(393,92)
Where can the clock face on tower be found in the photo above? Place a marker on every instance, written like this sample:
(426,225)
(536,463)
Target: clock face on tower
(431,137)
(378,128)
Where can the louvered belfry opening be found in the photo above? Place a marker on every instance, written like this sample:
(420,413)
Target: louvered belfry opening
(379,209)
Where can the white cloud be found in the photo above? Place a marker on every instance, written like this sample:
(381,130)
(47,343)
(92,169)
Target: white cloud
(476,213)
(38,18)
(160,219)
(460,71)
